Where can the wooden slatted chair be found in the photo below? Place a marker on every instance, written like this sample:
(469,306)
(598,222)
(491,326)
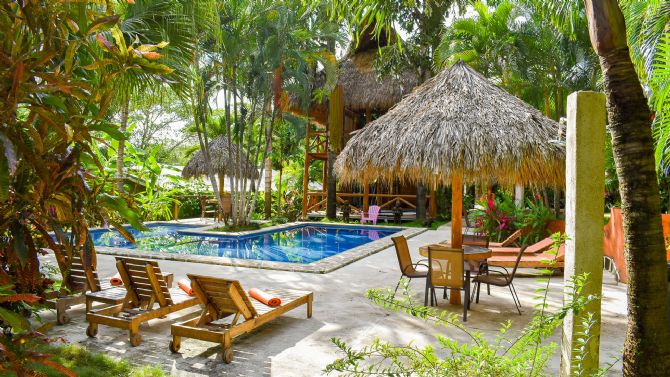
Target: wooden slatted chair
(222,298)
(145,288)
(72,291)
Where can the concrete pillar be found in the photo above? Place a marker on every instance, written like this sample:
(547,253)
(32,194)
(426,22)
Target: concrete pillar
(584,208)
(518,195)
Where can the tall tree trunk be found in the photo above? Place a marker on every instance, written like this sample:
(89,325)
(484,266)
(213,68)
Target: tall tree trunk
(268,184)
(121,151)
(331,198)
(647,345)
(420,202)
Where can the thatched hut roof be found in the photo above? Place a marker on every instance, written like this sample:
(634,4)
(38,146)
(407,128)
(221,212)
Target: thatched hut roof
(364,89)
(218,150)
(457,122)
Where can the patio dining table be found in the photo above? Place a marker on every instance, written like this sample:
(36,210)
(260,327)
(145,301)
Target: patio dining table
(470,254)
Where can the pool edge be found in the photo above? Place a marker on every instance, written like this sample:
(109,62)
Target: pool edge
(322,266)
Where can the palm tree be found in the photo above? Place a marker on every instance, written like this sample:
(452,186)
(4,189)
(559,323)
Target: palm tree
(647,346)
(144,22)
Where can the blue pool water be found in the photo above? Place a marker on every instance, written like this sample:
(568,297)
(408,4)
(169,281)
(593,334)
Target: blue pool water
(298,244)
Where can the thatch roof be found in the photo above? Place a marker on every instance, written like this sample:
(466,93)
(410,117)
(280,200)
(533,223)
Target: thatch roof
(362,87)
(218,150)
(458,121)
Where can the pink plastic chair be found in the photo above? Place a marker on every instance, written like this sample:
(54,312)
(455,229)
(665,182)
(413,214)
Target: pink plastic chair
(373,213)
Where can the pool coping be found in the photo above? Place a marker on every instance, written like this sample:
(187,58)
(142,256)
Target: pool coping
(322,266)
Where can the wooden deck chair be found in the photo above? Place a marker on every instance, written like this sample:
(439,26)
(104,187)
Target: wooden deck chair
(509,241)
(72,290)
(222,298)
(536,248)
(145,288)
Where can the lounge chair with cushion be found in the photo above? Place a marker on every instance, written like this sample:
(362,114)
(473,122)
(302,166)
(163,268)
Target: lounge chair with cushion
(509,241)
(538,247)
(221,298)
(530,260)
(145,288)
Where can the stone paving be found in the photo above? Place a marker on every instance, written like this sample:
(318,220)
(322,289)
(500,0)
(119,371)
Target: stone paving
(296,346)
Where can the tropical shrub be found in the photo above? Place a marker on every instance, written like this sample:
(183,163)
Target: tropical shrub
(498,217)
(495,217)
(52,114)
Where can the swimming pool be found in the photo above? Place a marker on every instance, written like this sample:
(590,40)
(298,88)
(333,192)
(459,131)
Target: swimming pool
(302,243)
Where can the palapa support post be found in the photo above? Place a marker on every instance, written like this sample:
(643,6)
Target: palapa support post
(366,195)
(456,224)
(432,201)
(584,207)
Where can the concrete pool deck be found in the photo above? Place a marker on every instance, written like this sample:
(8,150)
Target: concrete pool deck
(295,346)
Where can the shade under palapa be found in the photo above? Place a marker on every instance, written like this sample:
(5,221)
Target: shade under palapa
(458,122)
(221,161)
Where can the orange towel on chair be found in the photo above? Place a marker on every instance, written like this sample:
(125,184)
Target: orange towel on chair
(116,280)
(185,286)
(264,297)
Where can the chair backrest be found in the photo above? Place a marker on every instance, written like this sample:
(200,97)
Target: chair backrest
(402,252)
(516,265)
(512,237)
(222,297)
(144,282)
(445,267)
(539,246)
(475,240)
(373,212)
(79,280)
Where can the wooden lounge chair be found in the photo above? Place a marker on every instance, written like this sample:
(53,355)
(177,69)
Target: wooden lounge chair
(538,247)
(72,291)
(221,298)
(145,287)
(529,261)
(507,242)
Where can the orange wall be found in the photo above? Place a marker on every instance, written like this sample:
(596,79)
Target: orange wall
(614,241)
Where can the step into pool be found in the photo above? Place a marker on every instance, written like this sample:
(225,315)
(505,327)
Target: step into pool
(303,243)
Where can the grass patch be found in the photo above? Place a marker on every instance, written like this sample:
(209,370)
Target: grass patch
(88,364)
(240,228)
(411,224)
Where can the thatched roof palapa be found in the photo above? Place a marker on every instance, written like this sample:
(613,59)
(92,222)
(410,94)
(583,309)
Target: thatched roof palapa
(364,89)
(457,122)
(219,154)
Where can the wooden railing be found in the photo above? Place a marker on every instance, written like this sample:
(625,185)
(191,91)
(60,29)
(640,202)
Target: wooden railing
(316,200)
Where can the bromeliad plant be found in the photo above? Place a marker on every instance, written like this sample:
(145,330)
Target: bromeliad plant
(495,217)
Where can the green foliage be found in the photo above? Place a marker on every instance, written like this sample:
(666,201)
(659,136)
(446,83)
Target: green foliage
(498,217)
(52,117)
(507,354)
(87,364)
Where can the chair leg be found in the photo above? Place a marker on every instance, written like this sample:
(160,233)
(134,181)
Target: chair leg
(479,288)
(396,287)
(515,296)
(425,299)
(466,304)
(444,293)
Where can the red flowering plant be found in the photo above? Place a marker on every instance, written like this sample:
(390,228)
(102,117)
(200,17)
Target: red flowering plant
(494,217)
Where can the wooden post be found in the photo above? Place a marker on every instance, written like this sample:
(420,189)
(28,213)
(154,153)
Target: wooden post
(366,195)
(176,209)
(456,224)
(432,201)
(305,186)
